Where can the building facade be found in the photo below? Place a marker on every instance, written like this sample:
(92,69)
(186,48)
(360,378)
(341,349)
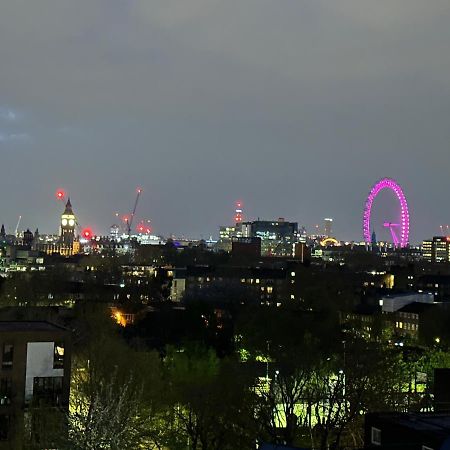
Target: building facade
(277,237)
(436,250)
(34,383)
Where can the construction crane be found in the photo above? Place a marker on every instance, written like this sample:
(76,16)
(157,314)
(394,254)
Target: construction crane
(130,219)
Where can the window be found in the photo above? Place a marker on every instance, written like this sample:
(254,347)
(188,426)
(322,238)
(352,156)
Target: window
(58,355)
(5,391)
(376,436)
(8,354)
(47,391)
(4,427)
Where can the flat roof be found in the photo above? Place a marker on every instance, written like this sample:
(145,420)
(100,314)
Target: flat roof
(28,325)
(437,424)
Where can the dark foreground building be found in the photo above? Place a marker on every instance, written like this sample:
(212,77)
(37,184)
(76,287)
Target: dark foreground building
(34,383)
(407,431)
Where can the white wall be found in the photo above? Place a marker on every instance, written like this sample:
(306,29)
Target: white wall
(392,304)
(39,364)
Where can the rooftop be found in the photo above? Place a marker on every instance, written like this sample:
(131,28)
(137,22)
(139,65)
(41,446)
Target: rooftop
(428,423)
(28,325)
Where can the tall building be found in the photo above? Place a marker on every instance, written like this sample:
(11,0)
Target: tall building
(328,227)
(436,250)
(67,244)
(68,222)
(34,383)
(114,232)
(239,214)
(228,233)
(277,237)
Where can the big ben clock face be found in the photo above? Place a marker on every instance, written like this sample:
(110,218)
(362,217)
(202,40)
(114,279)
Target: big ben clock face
(64,222)
(71,222)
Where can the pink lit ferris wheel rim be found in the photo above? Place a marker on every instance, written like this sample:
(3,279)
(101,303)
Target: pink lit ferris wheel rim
(387,183)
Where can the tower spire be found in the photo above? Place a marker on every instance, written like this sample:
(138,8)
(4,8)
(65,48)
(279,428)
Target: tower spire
(68,209)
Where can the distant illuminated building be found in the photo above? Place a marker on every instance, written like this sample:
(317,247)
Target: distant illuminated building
(328,227)
(228,233)
(436,250)
(68,222)
(302,235)
(114,232)
(427,250)
(239,215)
(277,237)
(226,236)
(67,244)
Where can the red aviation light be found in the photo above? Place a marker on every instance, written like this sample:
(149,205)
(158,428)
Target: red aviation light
(87,233)
(60,194)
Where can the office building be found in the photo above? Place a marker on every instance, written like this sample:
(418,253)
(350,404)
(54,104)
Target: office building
(328,227)
(226,236)
(436,250)
(277,237)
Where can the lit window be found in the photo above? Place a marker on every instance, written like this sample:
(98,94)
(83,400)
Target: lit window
(269,289)
(5,391)
(58,355)
(292,297)
(292,274)
(376,436)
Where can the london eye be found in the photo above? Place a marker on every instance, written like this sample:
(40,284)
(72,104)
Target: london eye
(400,229)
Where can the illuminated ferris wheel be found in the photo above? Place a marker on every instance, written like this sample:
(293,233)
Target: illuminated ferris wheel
(399,231)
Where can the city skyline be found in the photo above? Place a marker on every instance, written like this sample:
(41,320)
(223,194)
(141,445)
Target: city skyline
(202,106)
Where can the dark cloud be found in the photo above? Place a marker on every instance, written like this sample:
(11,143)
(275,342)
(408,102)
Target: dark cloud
(295,106)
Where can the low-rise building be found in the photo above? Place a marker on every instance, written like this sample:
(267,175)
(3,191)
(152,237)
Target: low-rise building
(34,383)
(269,285)
(407,431)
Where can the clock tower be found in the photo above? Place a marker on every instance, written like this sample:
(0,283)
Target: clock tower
(68,222)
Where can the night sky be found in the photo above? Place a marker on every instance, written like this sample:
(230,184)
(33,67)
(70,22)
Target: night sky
(295,107)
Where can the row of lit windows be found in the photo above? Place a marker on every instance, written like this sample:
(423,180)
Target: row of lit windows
(407,326)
